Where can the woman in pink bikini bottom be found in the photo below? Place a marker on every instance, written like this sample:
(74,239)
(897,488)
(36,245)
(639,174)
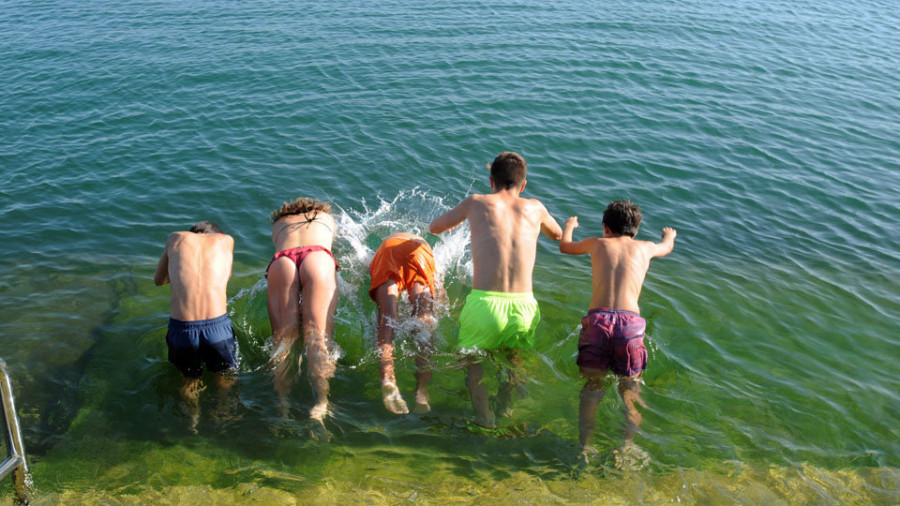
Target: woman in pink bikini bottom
(303,295)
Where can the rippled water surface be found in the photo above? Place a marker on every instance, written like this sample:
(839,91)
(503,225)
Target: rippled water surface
(765,132)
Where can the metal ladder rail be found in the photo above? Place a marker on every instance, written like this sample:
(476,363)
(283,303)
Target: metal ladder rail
(15,463)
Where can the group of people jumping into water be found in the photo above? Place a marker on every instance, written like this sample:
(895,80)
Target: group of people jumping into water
(499,317)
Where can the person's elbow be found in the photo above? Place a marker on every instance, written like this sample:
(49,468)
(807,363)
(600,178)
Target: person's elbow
(435,228)
(555,234)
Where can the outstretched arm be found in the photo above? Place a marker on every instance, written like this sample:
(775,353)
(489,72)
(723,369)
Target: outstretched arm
(451,218)
(665,247)
(550,227)
(566,245)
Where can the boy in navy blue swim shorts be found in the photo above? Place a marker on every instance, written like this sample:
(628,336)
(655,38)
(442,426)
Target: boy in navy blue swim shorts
(198,264)
(208,341)
(612,333)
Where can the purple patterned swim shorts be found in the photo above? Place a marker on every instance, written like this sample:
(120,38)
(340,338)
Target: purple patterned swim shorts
(613,339)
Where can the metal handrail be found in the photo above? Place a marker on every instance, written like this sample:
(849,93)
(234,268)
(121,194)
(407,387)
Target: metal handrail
(15,463)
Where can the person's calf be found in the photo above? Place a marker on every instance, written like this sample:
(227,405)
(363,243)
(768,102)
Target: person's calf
(479,397)
(591,395)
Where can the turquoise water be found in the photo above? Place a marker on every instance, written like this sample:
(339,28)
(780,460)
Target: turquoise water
(765,132)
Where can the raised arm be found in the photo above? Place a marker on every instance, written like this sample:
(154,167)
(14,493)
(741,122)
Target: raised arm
(567,246)
(665,247)
(550,227)
(451,218)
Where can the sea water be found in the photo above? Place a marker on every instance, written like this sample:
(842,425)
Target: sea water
(765,132)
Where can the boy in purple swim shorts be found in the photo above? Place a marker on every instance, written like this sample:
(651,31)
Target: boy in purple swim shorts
(612,333)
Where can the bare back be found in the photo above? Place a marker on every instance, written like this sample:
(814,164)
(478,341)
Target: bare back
(198,266)
(504,241)
(505,229)
(619,266)
(296,230)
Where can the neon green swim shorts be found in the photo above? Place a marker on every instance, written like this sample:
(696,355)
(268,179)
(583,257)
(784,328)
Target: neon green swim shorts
(492,320)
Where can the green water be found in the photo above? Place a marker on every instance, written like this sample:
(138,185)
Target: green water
(765,132)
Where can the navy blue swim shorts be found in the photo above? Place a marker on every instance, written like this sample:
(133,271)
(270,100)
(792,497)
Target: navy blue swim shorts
(211,341)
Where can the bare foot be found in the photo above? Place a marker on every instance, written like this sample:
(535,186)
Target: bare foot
(422,402)
(504,406)
(317,430)
(631,457)
(284,407)
(319,411)
(588,453)
(393,401)
(486,421)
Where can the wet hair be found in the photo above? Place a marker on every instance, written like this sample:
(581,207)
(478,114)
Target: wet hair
(508,170)
(206,227)
(622,217)
(300,205)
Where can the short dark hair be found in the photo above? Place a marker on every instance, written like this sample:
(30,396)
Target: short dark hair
(206,227)
(508,170)
(622,217)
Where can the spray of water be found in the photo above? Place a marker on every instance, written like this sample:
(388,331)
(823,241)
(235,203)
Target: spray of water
(360,232)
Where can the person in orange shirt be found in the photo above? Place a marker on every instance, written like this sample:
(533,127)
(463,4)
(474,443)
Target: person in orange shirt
(404,262)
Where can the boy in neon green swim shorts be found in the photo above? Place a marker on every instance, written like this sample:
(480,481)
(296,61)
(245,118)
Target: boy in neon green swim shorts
(501,313)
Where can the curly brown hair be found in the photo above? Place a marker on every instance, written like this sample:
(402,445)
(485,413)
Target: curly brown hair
(301,205)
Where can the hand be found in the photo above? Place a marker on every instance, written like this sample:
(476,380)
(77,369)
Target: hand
(572,222)
(669,232)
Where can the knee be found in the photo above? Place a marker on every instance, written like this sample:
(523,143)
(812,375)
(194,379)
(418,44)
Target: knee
(593,385)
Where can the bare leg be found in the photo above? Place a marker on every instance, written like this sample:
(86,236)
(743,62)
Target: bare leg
(224,383)
(423,308)
(479,395)
(190,396)
(386,297)
(591,395)
(630,456)
(512,379)
(284,314)
(630,390)
(320,296)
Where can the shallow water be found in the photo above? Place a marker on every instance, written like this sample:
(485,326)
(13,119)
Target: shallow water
(765,132)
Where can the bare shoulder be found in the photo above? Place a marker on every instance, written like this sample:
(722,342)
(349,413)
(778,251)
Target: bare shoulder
(225,240)
(648,248)
(478,197)
(177,237)
(328,217)
(477,200)
(536,207)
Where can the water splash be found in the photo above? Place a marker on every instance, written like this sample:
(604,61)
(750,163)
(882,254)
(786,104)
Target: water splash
(360,232)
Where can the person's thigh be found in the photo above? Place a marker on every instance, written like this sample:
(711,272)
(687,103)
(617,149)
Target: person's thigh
(387,296)
(318,281)
(283,296)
